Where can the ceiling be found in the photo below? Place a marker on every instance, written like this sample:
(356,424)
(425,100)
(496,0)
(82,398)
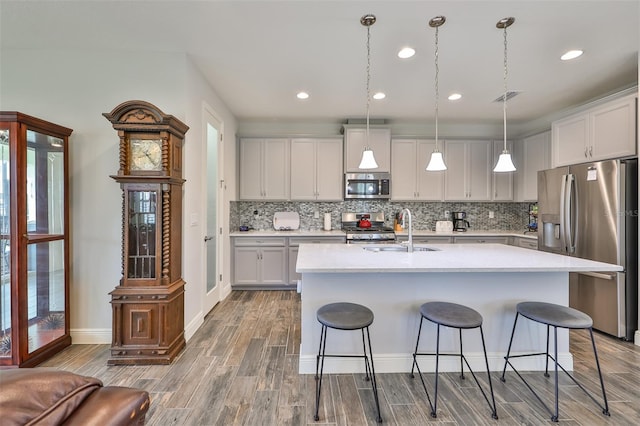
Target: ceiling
(258,54)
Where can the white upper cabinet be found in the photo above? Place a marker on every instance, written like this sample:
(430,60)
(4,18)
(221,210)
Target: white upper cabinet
(603,132)
(264,169)
(533,155)
(468,175)
(355,140)
(316,169)
(502,182)
(409,179)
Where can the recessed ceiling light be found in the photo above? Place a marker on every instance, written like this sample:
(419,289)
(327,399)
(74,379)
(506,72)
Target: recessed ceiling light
(379,96)
(406,52)
(454,96)
(571,54)
(302,95)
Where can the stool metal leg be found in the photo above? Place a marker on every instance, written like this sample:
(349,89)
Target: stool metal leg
(367,373)
(555,360)
(434,408)
(417,343)
(321,349)
(492,404)
(506,358)
(416,366)
(374,383)
(605,409)
(461,357)
(546,365)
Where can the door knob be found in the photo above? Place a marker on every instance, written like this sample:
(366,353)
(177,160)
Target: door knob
(207,238)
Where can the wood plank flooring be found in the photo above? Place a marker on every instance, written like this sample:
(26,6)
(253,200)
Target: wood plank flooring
(241,368)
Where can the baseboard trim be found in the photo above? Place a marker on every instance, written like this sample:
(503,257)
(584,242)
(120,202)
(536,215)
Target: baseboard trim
(636,338)
(400,363)
(96,336)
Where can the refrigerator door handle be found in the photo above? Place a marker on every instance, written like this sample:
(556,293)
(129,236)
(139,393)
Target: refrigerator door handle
(571,202)
(563,213)
(599,275)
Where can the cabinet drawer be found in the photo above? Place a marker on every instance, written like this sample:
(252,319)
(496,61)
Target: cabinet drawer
(439,239)
(481,240)
(527,243)
(296,241)
(259,242)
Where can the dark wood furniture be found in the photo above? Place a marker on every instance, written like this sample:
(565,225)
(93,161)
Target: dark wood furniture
(148,305)
(34,239)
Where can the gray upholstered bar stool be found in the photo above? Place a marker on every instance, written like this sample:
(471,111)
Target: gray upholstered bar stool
(457,316)
(556,316)
(346,316)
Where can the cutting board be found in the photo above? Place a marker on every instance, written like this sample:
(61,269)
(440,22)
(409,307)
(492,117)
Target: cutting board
(286,220)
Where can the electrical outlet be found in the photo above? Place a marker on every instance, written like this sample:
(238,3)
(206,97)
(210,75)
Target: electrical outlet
(491,215)
(446,213)
(316,214)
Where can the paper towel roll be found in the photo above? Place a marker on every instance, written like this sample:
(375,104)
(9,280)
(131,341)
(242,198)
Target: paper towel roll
(327,221)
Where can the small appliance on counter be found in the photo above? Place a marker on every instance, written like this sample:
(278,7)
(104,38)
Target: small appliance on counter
(460,222)
(444,226)
(286,221)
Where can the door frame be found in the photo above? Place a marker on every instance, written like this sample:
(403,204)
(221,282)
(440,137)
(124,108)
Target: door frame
(210,117)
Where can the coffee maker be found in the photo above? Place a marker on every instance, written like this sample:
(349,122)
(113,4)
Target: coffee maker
(460,222)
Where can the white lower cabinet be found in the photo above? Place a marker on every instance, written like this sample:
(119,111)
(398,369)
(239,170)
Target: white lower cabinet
(294,242)
(260,261)
(270,262)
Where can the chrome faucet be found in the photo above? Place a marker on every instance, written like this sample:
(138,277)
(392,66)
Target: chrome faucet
(410,242)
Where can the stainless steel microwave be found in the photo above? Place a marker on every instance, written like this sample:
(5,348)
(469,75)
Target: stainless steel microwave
(367,185)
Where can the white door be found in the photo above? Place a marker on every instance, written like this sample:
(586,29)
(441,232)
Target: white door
(214,187)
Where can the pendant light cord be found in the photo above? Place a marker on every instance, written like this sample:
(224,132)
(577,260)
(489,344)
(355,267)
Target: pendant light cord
(504,99)
(368,80)
(437,88)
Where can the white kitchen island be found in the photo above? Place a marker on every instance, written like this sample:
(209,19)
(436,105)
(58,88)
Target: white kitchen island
(491,278)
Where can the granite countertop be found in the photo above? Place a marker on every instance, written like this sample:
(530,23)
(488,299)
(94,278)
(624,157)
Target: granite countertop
(417,232)
(352,258)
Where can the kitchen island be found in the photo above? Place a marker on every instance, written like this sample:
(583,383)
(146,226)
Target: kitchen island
(491,278)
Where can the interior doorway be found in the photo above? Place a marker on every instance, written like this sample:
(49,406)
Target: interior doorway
(213,190)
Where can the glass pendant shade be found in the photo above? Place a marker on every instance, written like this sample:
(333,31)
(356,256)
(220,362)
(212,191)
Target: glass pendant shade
(504,163)
(368,161)
(436,163)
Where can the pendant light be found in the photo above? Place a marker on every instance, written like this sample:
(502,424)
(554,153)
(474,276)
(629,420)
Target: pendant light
(505,164)
(368,160)
(436,163)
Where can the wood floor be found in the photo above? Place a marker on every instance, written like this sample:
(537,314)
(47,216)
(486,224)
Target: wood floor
(241,368)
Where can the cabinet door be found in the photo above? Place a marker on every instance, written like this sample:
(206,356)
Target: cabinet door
(303,169)
(455,175)
(246,265)
(570,139)
(379,141)
(293,259)
(276,169)
(329,174)
(534,157)
(479,171)
(251,169)
(481,240)
(429,185)
(613,129)
(403,169)
(274,265)
(502,182)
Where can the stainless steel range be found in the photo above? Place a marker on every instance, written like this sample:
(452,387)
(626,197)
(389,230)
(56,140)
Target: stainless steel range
(366,228)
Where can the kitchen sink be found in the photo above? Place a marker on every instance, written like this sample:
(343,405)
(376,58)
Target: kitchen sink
(398,248)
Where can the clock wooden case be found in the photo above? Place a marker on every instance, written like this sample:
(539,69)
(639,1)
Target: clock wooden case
(148,303)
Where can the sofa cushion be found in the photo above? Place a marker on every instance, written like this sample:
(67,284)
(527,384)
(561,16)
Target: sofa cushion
(111,406)
(41,395)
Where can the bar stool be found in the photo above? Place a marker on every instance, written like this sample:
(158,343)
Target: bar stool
(457,316)
(346,316)
(555,316)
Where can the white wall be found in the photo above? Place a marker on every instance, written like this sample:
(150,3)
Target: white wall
(73,89)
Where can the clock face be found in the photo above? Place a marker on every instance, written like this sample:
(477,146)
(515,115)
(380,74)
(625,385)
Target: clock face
(146,154)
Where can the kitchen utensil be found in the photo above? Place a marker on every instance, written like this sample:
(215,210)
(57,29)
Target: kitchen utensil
(286,221)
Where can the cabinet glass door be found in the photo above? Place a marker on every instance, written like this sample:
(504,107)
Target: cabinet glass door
(142,234)
(5,247)
(45,193)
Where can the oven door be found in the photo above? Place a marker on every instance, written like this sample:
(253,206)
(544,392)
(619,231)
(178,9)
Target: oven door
(371,241)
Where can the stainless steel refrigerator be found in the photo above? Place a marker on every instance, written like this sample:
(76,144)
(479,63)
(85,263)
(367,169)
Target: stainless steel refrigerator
(591,211)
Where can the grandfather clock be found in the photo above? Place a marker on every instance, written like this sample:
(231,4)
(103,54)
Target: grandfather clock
(148,304)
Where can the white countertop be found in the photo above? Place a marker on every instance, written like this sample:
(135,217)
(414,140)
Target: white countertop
(351,258)
(339,232)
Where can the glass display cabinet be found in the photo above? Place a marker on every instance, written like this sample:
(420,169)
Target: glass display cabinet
(34,239)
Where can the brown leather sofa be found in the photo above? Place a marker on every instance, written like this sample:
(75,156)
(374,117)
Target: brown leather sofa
(44,396)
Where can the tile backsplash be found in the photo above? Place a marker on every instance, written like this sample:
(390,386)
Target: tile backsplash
(507,216)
